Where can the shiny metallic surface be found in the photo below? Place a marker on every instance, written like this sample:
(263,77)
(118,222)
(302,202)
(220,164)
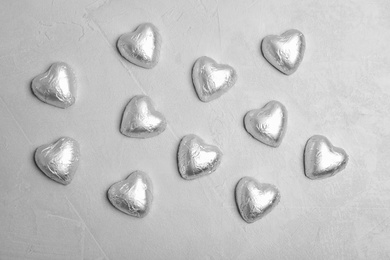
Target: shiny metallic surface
(132,196)
(322,159)
(57,86)
(196,158)
(59,160)
(284,52)
(141,47)
(211,79)
(141,120)
(254,199)
(267,124)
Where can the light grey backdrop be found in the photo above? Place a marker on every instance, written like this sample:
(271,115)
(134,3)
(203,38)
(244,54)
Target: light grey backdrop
(341,90)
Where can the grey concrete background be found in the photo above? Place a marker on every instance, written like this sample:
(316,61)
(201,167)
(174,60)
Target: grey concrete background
(341,90)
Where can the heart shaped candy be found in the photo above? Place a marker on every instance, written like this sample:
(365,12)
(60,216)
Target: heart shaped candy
(211,79)
(59,160)
(141,47)
(196,158)
(322,159)
(57,86)
(284,52)
(141,120)
(267,124)
(254,199)
(132,196)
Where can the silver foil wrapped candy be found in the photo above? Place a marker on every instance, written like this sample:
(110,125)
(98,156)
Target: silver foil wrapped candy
(59,160)
(141,120)
(211,79)
(57,86)
(254,199)
(267,124)
(196,158)
(322,159)
(141,47)
(284,52)
(132,196)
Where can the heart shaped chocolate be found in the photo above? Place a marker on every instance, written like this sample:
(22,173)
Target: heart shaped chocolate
(254,199)
(322,159)
(141,120)
(284,52)
(267,124)
(132,196)
(211,79)
(57,86)
(196,158)
(141,47)
(59,160)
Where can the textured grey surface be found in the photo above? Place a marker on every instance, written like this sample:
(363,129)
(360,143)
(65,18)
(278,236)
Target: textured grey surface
(341,90)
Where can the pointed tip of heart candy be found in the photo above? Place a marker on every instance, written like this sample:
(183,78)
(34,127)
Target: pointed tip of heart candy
(322,159)
(59,160)
(46,171)
(141,120)
(57,86)
(141,46)
(211,79)
(284,52)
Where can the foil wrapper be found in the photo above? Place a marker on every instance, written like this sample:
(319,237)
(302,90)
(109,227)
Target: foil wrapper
(322,159)
(196,158)
(141,120)
(132,196)
(267,124)
(284,52)
(255,200)
(141,47)
(57,86)
(59,160)
(211,79)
